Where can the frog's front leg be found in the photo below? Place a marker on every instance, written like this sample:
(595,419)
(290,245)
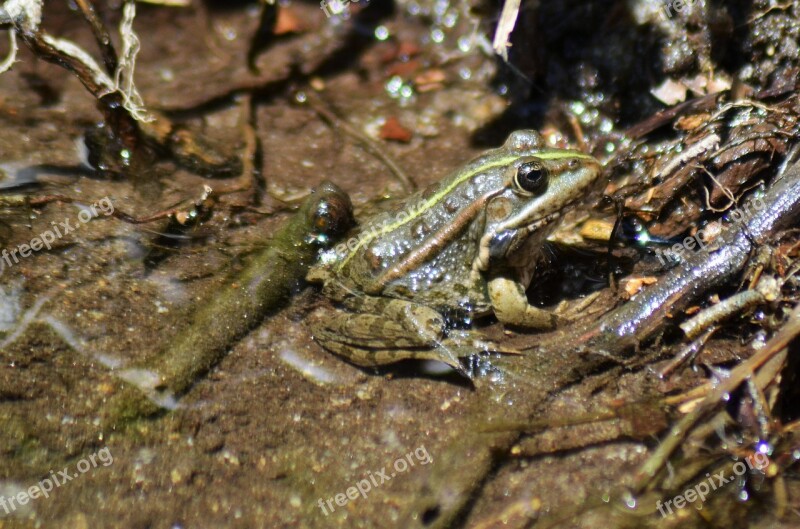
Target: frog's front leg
(510,305)
(386,331)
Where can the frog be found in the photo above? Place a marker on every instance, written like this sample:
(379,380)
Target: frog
(409,283)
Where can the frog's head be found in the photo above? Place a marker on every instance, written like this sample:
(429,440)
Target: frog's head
(538,184)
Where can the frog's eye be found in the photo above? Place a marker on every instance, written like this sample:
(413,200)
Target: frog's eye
(531,178)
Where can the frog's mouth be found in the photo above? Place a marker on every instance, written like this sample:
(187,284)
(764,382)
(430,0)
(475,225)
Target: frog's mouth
(500,242)
(541,222)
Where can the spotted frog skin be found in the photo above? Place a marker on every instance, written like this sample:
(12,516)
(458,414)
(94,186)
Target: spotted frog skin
(463,248)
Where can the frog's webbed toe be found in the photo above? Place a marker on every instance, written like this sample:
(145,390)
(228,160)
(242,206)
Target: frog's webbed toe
(470,342)
(569,311)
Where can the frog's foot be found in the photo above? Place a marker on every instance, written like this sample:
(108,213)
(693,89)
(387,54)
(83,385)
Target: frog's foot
(574,310)
(511,306)
(469,342)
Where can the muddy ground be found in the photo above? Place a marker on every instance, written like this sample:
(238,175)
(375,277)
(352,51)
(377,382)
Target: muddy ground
(280,424)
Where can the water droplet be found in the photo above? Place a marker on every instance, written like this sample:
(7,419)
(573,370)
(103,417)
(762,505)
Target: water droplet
(743,495)
(577,108)
(381,33)
(629,500)
(394,85)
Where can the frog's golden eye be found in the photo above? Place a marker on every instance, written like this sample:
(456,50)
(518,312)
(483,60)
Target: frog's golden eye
(532,177)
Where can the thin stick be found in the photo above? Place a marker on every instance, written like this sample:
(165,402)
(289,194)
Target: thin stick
(367,143)
(101,35)
(508,19)
(715,396)
(246,181)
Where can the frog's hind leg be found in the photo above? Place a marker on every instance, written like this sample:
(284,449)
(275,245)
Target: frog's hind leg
(366,357)
(387,331)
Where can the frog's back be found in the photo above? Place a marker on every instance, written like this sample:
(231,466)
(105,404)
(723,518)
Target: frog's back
(421,252)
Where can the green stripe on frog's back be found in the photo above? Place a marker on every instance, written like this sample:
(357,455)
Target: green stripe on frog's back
(505,160)
(432,244)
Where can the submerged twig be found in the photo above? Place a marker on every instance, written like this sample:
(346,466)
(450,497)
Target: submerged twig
(246,181)
(264,284)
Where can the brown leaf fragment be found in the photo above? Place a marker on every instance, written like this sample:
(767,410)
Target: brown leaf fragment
(691,122)
(403,69)
(287,22)
(632,286)
(430,80)
(392,130)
